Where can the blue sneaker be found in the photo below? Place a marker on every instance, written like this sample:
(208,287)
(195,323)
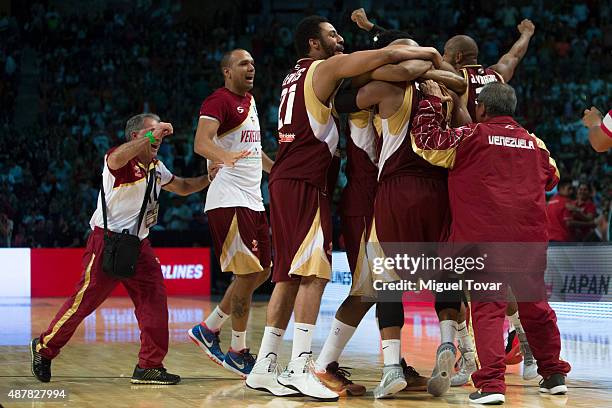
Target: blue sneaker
(208,341)
(239,362)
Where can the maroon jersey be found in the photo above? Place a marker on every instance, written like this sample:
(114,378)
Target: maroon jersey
(397,158)
(476,76)
(307,131)
(361,165)
(498,173)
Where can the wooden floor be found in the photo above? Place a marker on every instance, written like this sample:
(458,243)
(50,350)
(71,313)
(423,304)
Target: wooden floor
(95,367)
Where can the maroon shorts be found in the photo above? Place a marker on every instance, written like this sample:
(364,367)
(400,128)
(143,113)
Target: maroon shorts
(146,289)
(241,237)
(355,230)
(301,230)
(412,209)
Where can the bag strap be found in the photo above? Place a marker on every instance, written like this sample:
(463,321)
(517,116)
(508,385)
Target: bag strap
(143,208)
(146,198)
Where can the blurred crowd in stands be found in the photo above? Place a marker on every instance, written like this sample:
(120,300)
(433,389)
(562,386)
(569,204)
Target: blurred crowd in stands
(89,72)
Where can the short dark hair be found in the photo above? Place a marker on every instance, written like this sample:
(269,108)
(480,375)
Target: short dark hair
(306,29)
(227,58)
(388,36)
(499,99)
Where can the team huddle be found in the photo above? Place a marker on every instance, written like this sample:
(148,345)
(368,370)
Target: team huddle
(421,152)
(409,111)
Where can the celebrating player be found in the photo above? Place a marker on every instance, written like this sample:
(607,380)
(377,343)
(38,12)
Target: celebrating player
(228,132)
(300,211)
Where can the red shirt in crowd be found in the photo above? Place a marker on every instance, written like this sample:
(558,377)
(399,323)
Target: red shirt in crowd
(558,216)
(588,208)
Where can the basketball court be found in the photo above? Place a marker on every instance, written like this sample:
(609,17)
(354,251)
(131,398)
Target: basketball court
(95,368)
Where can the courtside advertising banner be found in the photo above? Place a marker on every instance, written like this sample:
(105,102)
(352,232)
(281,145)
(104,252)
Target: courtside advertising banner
(49,272)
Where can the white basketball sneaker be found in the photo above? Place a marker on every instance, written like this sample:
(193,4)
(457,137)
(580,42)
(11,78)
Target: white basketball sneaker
(440,380)
(299,376)
(467,367)
(263,377)
(392,381)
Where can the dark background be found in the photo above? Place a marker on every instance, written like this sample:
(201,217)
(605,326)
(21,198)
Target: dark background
(72,72)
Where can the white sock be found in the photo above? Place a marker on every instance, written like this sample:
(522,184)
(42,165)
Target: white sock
(339,335)
(391,351)
(215,320)
(514,320)
(302,339)
(238,340)
(448,331)
(463,336)
(270,343)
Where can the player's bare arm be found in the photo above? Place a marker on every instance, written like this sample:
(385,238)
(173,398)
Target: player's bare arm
(138,145)
(508,62)
(408,70)
(329,72)
(592,120)
(452,81)
(185,186)
(204,145)
(461,116)
(266,162)
(388,96)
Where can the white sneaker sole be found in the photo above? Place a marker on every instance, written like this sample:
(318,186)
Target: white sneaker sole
(317,397)
(204,348)
(558,390)
(278,391)
(492,399)
(440,384)
(391,390)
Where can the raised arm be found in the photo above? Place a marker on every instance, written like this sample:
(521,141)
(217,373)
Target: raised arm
(204,145)
(508,62)
(430,140)
(139,144)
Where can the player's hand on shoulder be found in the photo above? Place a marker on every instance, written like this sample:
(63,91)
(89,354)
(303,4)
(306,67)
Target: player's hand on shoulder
(431,88)
(592,117)
(526,27)
(360,18)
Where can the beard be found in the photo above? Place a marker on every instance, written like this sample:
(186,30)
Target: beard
(330,49)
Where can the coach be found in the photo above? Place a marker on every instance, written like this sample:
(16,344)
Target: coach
(498,172)
(132,179)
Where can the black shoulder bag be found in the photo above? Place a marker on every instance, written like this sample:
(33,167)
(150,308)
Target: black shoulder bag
(121,250)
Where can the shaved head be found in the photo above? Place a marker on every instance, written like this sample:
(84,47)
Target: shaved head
(461,50)
(405,41)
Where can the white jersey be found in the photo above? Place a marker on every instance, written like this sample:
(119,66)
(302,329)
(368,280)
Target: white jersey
(124,190)
(238,186)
